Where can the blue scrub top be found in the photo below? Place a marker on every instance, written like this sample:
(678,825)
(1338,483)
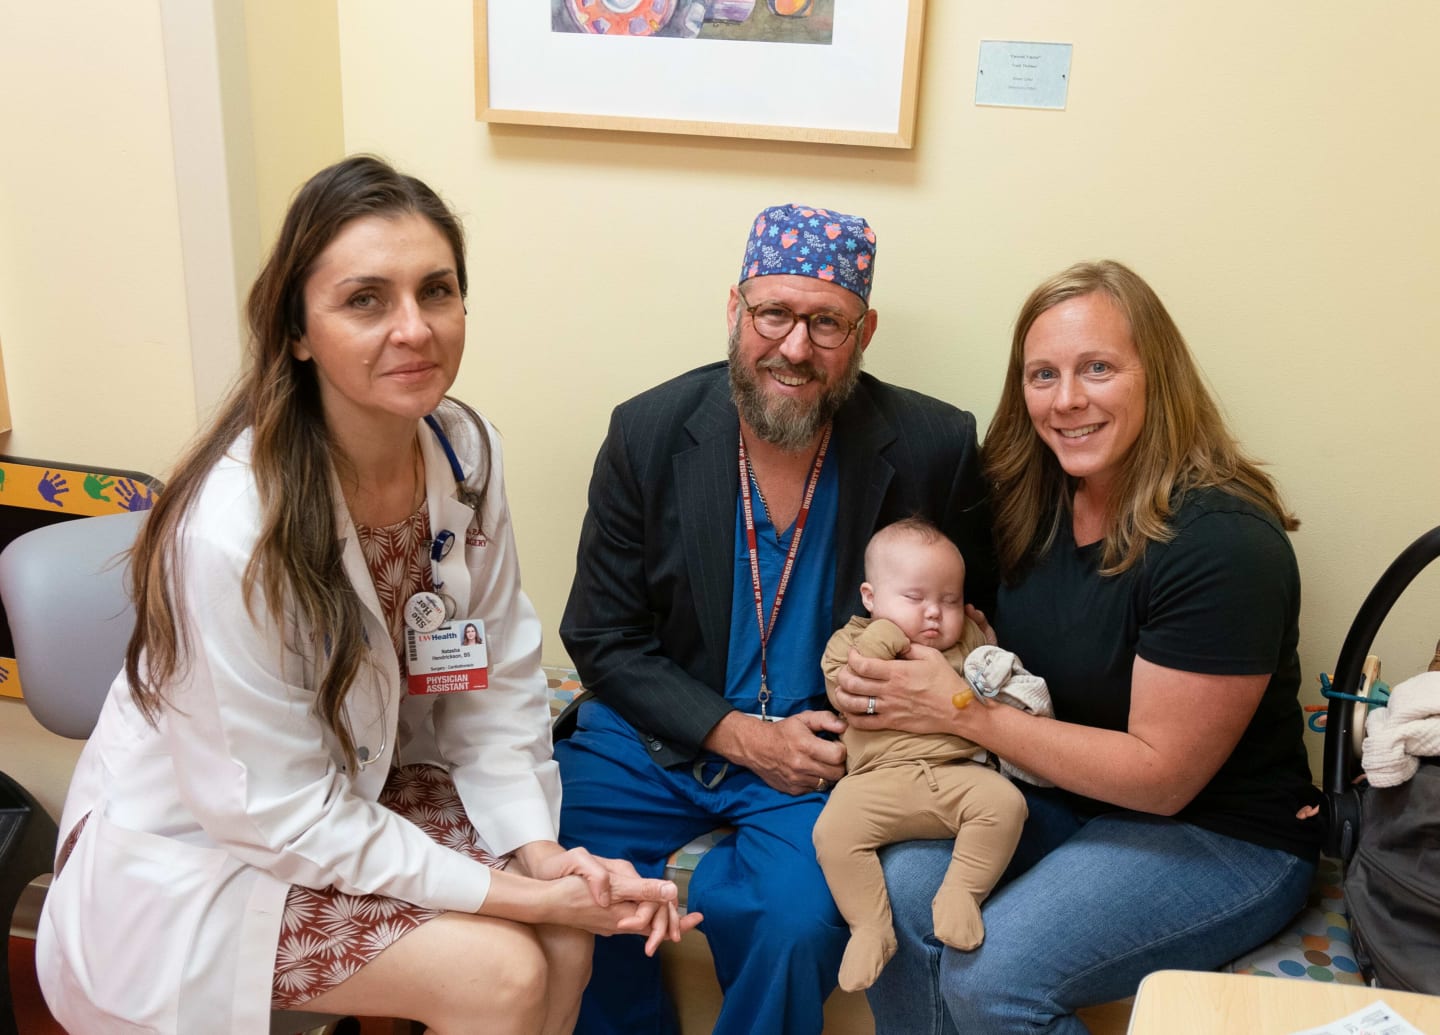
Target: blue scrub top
(803,626)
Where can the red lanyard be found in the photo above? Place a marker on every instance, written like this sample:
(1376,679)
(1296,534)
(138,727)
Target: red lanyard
(750,541)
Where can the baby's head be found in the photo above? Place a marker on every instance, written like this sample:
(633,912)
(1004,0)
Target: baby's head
(915,577)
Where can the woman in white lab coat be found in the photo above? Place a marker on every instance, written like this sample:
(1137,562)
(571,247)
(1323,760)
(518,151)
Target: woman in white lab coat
(297,792)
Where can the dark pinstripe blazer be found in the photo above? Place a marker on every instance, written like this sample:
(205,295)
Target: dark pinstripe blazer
(648,620)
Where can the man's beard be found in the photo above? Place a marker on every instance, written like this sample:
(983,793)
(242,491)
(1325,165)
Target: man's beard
(782,421)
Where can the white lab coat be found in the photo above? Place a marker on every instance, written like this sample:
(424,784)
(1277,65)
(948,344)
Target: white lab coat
(167,915)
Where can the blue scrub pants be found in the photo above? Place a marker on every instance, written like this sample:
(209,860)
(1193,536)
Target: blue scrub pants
(1088,907)
(773,928)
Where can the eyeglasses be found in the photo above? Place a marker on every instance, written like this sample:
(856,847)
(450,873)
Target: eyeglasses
(775,320)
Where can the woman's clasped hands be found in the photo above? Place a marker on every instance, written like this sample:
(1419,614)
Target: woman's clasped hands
(606,896)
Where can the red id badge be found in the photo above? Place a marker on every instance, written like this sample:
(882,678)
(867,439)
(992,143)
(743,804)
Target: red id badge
(449,659)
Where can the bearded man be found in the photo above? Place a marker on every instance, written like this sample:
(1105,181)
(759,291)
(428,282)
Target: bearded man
(724,541)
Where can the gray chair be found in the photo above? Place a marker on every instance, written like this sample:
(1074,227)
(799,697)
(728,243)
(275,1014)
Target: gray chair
(64,584)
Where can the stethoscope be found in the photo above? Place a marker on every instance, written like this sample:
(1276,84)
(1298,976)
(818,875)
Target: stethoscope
(454,461)
(426,611)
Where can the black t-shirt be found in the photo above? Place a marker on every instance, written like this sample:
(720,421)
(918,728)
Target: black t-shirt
(1221,598)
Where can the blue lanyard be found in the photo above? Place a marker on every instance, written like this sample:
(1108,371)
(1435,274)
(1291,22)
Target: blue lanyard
(455,468)
(445,539)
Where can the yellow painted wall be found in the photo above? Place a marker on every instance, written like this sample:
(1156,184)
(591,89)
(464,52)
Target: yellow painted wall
(92,305)
(293,60)
(1270,169)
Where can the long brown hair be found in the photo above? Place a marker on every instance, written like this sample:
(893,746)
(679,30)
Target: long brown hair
(1183,444)
(297,559)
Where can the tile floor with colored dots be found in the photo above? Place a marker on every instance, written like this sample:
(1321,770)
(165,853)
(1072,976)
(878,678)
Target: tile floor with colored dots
(564,686)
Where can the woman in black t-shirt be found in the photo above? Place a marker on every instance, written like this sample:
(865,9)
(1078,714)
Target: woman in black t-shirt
(1150,581)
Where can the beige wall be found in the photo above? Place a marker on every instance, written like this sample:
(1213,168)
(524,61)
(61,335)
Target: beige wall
(92,293)
(1268,167)
(293,61)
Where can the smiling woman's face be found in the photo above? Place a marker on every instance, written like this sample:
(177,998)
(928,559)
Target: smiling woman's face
(384,322)
(1085,387)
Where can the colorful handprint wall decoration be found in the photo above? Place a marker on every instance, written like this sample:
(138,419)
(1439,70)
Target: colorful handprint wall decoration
(34,493)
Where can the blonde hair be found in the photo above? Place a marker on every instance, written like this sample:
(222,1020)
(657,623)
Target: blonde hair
(297,559)
(1183,443)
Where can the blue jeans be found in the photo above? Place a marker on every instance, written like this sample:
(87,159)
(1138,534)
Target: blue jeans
(1088,907)
(773,929)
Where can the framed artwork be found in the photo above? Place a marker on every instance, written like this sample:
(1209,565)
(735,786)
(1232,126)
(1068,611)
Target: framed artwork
(4,400)
(826,71)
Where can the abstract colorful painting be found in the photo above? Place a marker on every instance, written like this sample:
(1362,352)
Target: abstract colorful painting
(769,21)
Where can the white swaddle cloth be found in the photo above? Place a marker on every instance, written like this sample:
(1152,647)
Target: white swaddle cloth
(998,674)
(1403,732)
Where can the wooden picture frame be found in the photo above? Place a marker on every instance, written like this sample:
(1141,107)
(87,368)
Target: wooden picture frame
(534,66)
(5,422)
